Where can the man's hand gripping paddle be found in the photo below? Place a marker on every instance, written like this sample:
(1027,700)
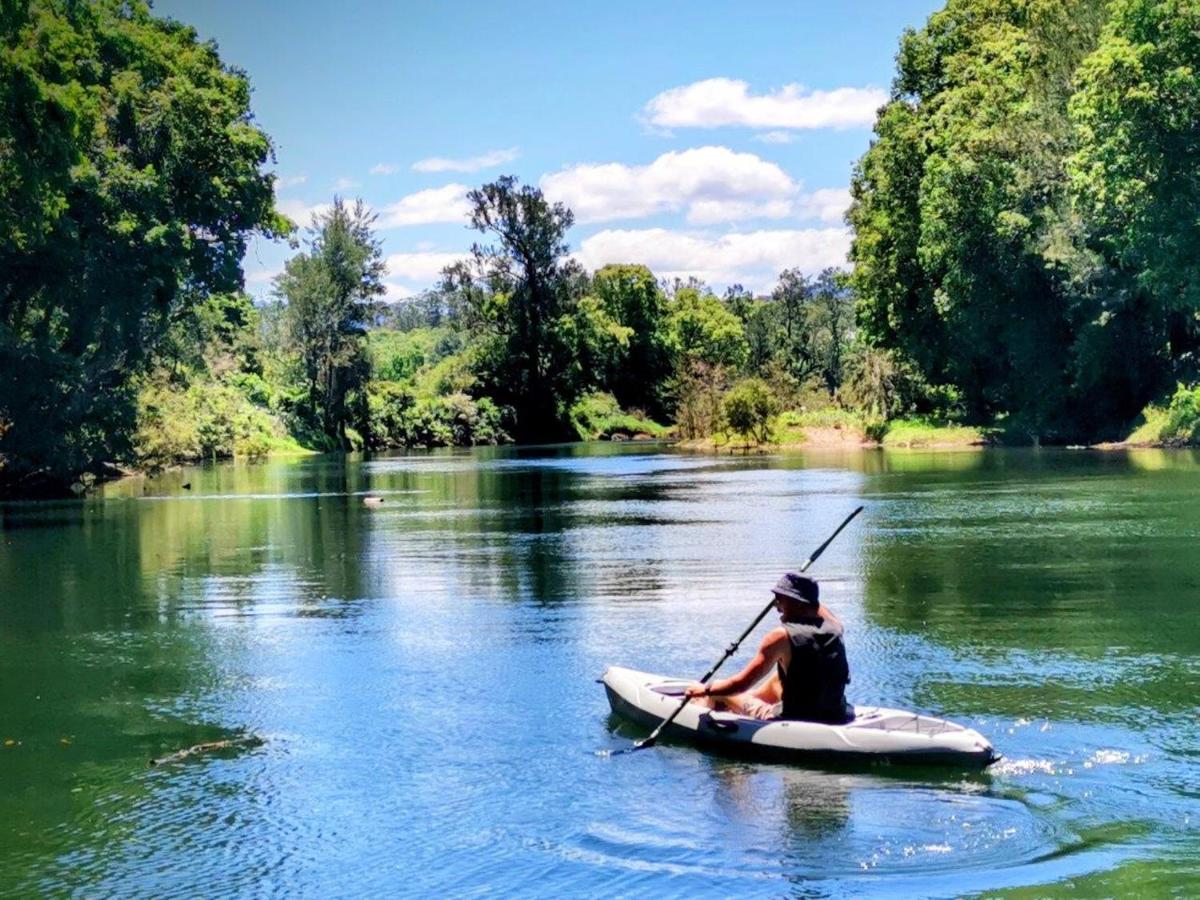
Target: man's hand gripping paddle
(652,739)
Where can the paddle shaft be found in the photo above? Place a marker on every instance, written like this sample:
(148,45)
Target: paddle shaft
(732,648)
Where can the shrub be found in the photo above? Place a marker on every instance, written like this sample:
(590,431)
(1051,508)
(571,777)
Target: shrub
(750,408)
(1175,424)
(396,417)
(598,415)
(206,420)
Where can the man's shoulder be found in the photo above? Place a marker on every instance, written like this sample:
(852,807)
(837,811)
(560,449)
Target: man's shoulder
(811,628)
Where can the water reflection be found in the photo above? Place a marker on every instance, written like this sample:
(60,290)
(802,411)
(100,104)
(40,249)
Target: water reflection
(422,671)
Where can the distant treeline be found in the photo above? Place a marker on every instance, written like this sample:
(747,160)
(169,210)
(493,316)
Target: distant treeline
(1026,223)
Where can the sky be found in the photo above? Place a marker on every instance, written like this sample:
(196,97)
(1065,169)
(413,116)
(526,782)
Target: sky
(714,139)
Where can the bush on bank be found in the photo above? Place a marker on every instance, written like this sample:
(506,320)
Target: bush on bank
(598,416)
(1174,424)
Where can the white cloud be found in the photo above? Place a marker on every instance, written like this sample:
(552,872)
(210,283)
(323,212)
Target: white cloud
(394,292)
(827,204)
(471,164)
(290,182)
(753,258)
(302,213)
(716,102)
(384,169)
(345,184)
(444,204)
(713,184)
(419,268)
(774,137)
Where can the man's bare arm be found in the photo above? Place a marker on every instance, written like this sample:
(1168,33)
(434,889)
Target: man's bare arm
(769,653)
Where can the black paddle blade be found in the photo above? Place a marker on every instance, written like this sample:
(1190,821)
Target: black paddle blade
(632,748)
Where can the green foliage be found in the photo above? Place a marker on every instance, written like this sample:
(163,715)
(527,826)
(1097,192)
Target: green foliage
(131,176)
(698,388)
(1175,424)
(924,431)
(399,355)
(518,298)
(599,415)
(702,329)
(750,409)
(201,421)
(636,369)
(398,418)
(883,385)
(330,293)
(1026,218)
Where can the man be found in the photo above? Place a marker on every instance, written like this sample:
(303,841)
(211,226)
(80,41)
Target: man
(805,659)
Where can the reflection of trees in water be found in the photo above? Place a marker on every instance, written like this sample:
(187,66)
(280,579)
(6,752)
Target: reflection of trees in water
(524,531)
(1051,559)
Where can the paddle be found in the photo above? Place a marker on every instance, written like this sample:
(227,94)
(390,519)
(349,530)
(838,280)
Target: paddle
(732,648)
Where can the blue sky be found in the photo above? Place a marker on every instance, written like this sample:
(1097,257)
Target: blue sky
(704,138)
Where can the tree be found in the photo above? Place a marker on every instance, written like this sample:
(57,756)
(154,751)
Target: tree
(330,292)
(131,176)
(750,408)
(519,294)
(961,217)
(633,299)
(700,327)
(831,324)
(1135,183)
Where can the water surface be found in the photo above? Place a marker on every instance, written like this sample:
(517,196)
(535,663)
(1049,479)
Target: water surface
(423,675)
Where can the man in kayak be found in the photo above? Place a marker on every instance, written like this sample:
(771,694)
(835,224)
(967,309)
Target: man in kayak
(804,658)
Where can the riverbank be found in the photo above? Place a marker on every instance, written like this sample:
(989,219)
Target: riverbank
(839,429)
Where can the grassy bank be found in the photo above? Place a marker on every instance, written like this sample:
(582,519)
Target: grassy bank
(834,428)
(599,417)
(1175,423)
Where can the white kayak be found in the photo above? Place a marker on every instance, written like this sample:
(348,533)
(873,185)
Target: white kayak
(875,734)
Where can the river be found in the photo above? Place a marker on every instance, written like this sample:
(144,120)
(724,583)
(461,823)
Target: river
(421,673)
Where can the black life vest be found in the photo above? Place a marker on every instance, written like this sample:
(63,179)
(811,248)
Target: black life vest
(814,683)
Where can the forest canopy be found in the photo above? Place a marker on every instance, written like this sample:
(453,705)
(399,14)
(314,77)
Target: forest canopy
(1025,224)
(1025,221)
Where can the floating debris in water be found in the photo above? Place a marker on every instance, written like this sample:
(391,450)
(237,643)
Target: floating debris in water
(209,747)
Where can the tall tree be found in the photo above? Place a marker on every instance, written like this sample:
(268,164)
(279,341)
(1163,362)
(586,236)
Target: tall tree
(1135,180)
(331,294)
(632,297)
(519,290)
(961,212)
(131,175)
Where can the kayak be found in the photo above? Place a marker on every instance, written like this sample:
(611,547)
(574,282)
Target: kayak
(875,734)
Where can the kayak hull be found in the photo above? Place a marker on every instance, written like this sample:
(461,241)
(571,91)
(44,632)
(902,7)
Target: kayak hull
(876,735)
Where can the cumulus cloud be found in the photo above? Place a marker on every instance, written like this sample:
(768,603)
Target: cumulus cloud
(470,164)
(302,213)
(826,204)
(423,268)
(753,258)
(393,292)
(444,204)
(290,182)
(384,169)
(345,184)
(712,184)
(716,102)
